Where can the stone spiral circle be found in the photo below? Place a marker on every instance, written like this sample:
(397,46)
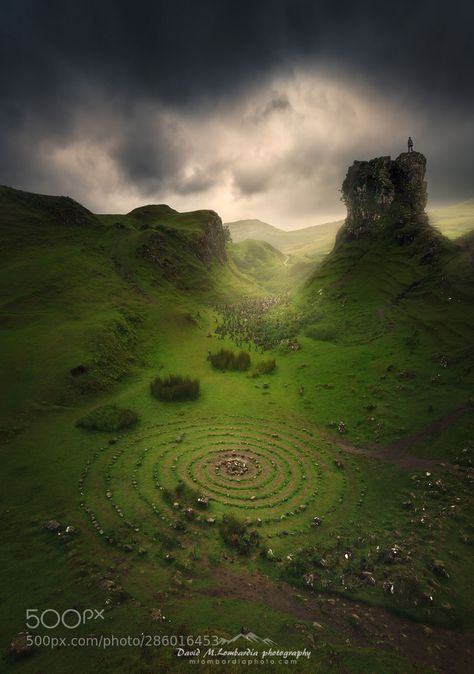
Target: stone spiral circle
(270,474)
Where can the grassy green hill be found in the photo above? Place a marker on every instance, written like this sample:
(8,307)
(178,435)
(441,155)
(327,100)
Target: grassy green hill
(310,241)
(310,498)
(80,289)
(269,267)
(404,311)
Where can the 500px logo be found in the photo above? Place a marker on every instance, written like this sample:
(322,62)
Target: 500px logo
(71,618)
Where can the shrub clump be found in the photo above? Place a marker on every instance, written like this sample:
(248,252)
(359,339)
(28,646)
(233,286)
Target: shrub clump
(175,388)
(237,535)
(324,332)
(228,360)
(181,493)
(108,418)
(265,366)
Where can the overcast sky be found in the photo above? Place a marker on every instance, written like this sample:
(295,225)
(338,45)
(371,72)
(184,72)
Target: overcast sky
(252,108)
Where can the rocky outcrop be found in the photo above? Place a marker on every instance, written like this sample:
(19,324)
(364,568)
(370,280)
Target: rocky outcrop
(210,245)
(44,209)
(185,238)
(383,196)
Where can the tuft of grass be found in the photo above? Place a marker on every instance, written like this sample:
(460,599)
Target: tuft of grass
(228,360)
(237,535)
(108,418)
(175,388)
(265,366)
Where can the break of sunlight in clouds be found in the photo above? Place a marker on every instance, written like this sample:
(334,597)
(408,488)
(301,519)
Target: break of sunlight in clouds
(278,153)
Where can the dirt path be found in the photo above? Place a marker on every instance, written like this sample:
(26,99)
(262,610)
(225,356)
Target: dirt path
(444,650)
(397,452)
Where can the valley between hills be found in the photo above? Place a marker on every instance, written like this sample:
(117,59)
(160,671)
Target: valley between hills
(226,430)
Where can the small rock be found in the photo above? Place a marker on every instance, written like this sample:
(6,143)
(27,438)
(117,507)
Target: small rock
(156,615)
(54,527)
(439,568)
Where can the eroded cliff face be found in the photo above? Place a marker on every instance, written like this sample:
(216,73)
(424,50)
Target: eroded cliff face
(383,196)
(189,238)
(210,246)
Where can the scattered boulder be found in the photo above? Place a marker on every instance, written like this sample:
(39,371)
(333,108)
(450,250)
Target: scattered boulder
(389,587)
(53,525)
(390,556)
(439,568)
(156,615)
(368,578)
(190,513)
(309,579)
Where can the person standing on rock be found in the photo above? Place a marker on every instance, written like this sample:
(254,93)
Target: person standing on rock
(410,144)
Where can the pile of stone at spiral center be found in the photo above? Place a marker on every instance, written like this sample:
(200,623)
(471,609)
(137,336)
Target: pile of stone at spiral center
(235,465)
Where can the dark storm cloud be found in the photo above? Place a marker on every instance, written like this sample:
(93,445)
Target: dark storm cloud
(185,50)
(147,151)
(66,66)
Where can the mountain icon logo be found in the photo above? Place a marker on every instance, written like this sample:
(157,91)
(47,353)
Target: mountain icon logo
(247,636)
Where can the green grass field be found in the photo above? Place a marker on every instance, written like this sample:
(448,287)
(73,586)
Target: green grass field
(351,460)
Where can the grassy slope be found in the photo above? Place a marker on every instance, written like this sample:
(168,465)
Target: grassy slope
(377,306)
(270,268)
(77,294)
(310,241)
(75,291)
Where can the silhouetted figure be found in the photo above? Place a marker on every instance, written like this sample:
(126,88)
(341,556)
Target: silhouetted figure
(410,144)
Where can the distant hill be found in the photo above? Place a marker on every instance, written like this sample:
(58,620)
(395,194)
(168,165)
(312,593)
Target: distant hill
(311,241)
(454,221)
(318,240)
(269,267)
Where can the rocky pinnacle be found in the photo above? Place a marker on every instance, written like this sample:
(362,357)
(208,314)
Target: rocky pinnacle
(383,195)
